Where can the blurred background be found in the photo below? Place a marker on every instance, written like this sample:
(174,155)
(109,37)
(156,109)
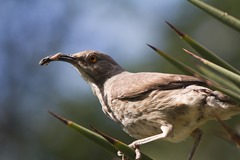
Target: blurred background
(33,29)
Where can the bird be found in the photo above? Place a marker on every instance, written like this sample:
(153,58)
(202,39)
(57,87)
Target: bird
(150,106)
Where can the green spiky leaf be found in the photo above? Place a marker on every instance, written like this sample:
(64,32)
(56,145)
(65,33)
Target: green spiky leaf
(223,17)
(125,149)
(184,68)
(203,51)
(211,83)
(110,144)
(228,74)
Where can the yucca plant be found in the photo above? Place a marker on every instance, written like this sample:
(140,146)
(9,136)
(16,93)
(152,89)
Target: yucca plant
(218,75)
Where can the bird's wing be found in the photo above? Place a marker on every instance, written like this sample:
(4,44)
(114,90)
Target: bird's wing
(132,85)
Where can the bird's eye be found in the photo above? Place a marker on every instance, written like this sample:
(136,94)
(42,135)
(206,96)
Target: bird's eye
(93,59)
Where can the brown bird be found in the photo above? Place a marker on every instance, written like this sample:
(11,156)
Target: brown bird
(150,106)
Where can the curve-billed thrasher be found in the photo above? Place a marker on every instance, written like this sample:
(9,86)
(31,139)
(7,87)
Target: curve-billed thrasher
(150,106)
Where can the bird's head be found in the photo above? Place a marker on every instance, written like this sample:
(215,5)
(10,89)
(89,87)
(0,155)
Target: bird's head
(95,67)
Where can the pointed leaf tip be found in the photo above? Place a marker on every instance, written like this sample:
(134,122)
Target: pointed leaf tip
(67,122)
(154,48)
(181,34)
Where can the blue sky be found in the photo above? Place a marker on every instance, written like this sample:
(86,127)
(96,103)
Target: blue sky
(120,29)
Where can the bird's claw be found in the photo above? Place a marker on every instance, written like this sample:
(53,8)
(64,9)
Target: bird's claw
(137,152)
(120,154)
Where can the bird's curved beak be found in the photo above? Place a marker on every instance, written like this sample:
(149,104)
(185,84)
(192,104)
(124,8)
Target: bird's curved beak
(58,57)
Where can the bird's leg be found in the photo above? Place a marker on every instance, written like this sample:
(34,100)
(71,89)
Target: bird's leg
(196,135)
(166,131)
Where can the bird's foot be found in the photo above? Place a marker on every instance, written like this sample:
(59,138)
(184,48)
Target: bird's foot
(137,152)
(120,154)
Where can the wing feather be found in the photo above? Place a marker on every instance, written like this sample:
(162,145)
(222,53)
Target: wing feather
(131,85)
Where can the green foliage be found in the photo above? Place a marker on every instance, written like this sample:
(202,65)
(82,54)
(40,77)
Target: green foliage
(223,17)
(110,144)
(227,78)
